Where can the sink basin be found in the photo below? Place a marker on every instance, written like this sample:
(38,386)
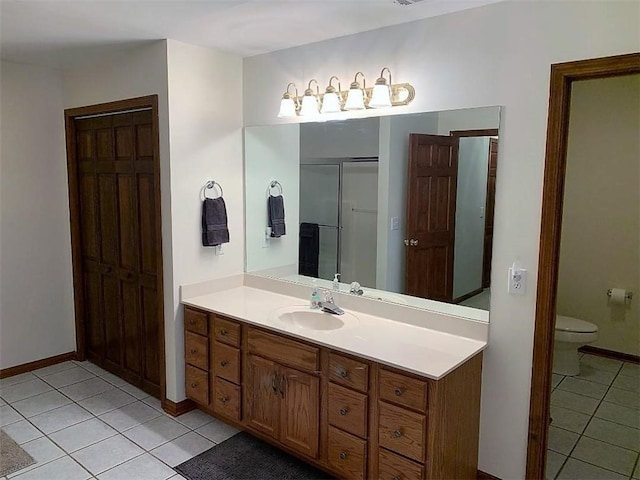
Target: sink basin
(305,318)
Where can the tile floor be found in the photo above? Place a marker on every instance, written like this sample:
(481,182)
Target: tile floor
(595,432)
(79,422)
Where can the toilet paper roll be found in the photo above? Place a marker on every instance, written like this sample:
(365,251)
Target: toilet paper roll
(618,296)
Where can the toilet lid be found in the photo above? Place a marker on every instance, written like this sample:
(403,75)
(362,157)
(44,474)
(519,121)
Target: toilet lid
(570,324)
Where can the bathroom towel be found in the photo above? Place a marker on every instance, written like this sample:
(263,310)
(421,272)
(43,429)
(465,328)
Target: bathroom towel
(309,251)
(276,216)
(214,222)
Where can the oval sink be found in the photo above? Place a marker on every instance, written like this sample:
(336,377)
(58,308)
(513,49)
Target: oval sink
(303,317)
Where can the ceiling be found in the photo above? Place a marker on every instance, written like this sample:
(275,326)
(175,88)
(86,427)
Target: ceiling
(66,33)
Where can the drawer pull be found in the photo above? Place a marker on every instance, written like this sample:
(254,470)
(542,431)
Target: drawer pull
(194,385)
(343,455)
(343,411)
(223,363)
(398,392)
(224,400)
(397,434)
(396,478)
(192,321)
(343,373)
(223,332)
(193,350)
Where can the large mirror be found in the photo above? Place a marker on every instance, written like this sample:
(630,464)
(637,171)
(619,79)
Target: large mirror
(402,205)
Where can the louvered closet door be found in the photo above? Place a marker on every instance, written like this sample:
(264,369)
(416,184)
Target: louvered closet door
(119,246)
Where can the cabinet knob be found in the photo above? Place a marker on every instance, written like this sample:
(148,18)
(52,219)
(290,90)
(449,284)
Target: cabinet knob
(194,385)
(192,321)
(398,392)
(343,455)
(129,275)
(396,478)
(343,411)
(193,350)
(223,363)
(343,373)
(397,434)
(224,400)
(107,270)
(223,332)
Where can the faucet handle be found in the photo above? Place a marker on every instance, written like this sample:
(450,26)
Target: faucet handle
(327,296)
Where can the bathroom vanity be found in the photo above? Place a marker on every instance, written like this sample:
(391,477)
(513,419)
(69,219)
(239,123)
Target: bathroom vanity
(364,397)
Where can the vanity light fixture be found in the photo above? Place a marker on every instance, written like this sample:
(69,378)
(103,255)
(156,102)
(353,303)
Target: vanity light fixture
(383,95)
(289,106)
(332,100)
(311,101)
(356,95)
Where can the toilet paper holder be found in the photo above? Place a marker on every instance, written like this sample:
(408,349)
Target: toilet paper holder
(628,295)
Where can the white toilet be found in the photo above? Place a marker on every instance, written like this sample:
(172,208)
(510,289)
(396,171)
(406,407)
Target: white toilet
(571,333)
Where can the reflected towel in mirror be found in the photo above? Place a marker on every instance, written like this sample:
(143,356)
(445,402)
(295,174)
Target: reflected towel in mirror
(276,216)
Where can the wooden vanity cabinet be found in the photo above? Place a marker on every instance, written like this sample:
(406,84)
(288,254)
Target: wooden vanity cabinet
(354,418)
(283,400)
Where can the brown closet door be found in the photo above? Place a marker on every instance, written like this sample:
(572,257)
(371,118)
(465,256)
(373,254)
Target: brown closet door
(117,196)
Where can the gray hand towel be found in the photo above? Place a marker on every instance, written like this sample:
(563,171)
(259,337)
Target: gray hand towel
(214,222)
(276,216)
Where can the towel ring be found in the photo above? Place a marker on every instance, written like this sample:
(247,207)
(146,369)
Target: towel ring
(210,185)
(275,184)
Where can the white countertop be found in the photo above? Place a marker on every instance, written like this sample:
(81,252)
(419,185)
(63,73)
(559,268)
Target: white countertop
(417,349)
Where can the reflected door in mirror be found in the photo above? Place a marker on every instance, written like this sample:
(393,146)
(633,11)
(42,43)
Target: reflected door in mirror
(431,207)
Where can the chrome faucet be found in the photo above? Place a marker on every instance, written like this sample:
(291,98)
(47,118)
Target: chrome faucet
(328,304)
(356,288)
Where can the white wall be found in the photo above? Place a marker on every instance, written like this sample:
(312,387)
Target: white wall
(271,154)
(205,124)
(36,290)
(503,58)
(356,138)
(471,197)
(600,247)
(468,119)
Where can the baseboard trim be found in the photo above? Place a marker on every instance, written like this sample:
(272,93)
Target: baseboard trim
(176,409)
(35,365)
(603,352)
(486,476)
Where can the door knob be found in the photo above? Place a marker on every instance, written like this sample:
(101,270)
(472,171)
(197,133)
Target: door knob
(413,242)
(406,242)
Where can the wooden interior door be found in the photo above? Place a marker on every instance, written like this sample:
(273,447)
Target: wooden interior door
(489,212)
(431,213)
(118,197)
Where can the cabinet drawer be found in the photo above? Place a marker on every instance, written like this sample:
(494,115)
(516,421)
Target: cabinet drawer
(197,385)
(196,350)
(283,350)
(347,454)
(196,321)
(226,362)
(395,467)
(348,372)
(402,431)
(403,390)
(226,399)
(348,410)
(226,331)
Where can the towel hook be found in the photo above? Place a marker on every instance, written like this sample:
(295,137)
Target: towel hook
(275,184)
(210,185)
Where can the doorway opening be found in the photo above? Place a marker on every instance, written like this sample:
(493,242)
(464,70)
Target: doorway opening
(113,166)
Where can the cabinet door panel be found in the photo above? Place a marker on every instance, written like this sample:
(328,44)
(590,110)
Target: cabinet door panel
(261,393)
(299,412)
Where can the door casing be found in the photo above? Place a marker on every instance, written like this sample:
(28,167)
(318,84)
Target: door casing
(562,77)
(71,114)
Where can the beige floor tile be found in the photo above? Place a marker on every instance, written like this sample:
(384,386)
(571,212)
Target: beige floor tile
(614,433)
(605,455)
(576,470)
